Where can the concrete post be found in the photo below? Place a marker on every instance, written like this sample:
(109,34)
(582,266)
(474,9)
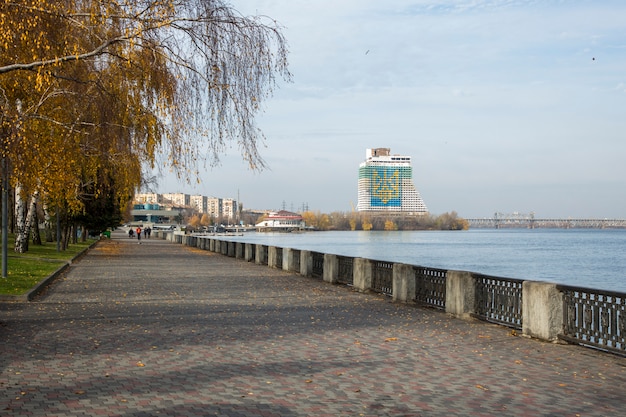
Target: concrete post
(542,310)
(238,250)
(293,260)
(287,255)
(272,257)
(259,254)
(331,268)
(362,274)
(248,252)
(403,283)
(287,259)
(306,263)
(460,293)
(230,251)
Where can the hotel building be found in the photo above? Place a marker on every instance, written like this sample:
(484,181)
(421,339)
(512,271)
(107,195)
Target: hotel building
(386,184)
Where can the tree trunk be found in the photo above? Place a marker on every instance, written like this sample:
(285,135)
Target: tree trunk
(22,229)
(65,235)
(74,234)
(34,224)
(49,227)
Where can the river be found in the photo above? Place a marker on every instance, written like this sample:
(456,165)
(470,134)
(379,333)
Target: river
(590,258)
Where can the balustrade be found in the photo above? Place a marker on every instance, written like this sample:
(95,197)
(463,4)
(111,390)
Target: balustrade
(596,318)
(382,277)
(499,300)
(346,270)
(430,287)
(318,264)
(589,317)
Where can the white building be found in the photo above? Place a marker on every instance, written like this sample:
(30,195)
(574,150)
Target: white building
(198,202)
(229,208)
(386,184)
(281,220)
(147,198)
(177,199)
(214,207)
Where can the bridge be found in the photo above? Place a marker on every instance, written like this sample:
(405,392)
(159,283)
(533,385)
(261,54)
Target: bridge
(529,221)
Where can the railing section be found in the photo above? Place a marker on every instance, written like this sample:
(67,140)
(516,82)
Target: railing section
(318,264)
(499,300)
(595,318)
(382,277)
(430,287)
(263,254)
(346,268)
(279,257)
(296,259)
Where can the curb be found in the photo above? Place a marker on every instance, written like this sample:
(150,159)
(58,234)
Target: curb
(44,283)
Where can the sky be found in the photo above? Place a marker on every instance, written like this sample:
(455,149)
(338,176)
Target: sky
(504,106)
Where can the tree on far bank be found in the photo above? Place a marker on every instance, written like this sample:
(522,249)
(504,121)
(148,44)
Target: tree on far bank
(205,220)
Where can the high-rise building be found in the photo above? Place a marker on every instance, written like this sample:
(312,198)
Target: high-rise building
(147,198)
(386,184)
(198,202)
(178,199)
(229,208)
(214,207)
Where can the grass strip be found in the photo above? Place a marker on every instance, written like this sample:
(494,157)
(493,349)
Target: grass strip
(25,270)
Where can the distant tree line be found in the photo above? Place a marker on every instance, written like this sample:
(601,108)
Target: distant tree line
(383,221)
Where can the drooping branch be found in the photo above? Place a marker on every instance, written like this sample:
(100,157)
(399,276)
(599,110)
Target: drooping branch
(126,81)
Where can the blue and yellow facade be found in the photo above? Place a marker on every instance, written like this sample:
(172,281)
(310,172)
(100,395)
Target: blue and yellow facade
(386,184)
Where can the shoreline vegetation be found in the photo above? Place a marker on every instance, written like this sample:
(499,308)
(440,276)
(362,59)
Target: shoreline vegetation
(384,221)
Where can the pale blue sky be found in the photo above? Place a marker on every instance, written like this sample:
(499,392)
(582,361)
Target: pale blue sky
(503,105)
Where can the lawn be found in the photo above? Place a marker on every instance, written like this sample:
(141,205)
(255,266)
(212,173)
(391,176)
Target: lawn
(25,270)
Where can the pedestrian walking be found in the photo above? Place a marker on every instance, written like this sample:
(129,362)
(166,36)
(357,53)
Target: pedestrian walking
(138,234)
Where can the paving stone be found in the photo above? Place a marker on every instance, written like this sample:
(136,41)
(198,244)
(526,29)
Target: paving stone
(162,329)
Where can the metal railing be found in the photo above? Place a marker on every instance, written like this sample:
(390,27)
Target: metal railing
(279,257)
(430,287)
(263,255)
(382,277)
(345,273)
(318,264)
(296,260)
(594,317)
(499,300)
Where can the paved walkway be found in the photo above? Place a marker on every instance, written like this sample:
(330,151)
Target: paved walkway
(159,329)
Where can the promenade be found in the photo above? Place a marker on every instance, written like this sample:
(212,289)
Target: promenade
(160,329)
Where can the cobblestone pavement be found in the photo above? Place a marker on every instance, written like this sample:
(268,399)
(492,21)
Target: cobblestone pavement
(158,329)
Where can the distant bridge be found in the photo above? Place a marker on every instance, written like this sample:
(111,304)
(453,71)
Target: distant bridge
(528,221)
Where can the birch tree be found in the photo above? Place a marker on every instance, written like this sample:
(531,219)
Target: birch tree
(93,88)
